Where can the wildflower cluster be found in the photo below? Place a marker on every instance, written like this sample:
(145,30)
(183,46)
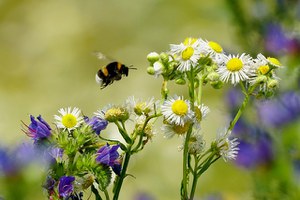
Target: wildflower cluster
(199,62)
(80,158)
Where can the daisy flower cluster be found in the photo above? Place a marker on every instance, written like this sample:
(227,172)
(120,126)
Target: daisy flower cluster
(79,157)
(196,62)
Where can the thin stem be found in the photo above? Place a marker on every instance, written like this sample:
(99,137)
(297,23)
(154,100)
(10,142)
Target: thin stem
(199,97)
(241,109)
(184,194)
(185,172)
(195,178)
(95,191)
(123,133)
(122,176)
(106,195)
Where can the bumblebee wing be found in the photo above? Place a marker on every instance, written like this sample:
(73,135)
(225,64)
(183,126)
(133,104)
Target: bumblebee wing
(100,56)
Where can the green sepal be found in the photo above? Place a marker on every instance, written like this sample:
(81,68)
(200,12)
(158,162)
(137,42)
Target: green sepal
(103,176)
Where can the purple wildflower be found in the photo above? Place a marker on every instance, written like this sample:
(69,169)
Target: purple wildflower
(108,155)
(65,187)
(281,111)
(38,130)
(96,123)
(256,148)
(275,38)
(13,161)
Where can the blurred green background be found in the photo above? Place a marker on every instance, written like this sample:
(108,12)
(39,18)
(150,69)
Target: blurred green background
(47,62)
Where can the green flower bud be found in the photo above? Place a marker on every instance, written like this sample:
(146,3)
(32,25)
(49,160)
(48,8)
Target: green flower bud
(216,84)
(180,81)
(261,79)
(213,76)
(273,84)
(153,57)
(164,57)
(150,70)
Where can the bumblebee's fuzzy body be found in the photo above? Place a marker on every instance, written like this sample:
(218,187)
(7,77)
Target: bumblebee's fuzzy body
(110,73)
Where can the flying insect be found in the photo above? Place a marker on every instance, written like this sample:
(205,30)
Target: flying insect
(111,72)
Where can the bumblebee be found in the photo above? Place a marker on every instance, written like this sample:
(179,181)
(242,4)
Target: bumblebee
(113,71)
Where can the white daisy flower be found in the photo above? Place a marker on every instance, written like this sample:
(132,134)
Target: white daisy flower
(262,73)
(113,113)
(211,48)
(140,107)
(227,147)
(274,62)
(177,111)
(69,118)
(186,53)
(196,144)
(235,68)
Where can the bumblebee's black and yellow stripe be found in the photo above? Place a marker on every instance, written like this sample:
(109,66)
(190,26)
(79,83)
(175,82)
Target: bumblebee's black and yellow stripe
(110,73)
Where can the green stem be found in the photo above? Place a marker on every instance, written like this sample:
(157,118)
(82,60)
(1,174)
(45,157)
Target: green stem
(195,179)
(241,109)
(122,176)
(96,193)
(123,133)
(185,164)
(106,195)
(199,97)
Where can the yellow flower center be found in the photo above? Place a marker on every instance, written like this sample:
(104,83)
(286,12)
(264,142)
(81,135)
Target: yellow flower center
(264,69)
(187,53)
(215,46)
(69,120)
(189,41)
(274,61)
(180,107)
(234,64)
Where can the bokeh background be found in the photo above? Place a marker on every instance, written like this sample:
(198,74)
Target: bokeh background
(47,63)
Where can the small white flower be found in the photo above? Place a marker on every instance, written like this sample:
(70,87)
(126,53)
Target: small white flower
(235,68)
(196,144)
(158,68)
(227,147)
(186,53)
(69,118)
(140,107)
(177,111)
(274,62)
(262,73)
(211,48)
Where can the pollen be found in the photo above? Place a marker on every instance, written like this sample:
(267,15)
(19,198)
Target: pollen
(215,46)
(69,120)
(234,64)
(274,61)
(187,53)
(264,69)
(180,107)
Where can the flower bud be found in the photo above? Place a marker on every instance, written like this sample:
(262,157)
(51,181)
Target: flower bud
(272,84)
(213,76)
(153,57)
(261,79)
(180,81)
(164,57)
(216,84)
(150,70)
